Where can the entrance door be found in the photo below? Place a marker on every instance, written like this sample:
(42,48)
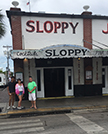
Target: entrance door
(54,82)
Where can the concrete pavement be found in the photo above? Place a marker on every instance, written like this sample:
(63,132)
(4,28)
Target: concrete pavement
(64,105)
(53,105)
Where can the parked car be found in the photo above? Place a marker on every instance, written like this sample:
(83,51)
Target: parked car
(2,80)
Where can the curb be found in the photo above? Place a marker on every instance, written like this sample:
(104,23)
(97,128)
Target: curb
(45,111)
(55,98)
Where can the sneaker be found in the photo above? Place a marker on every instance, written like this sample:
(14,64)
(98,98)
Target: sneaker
(8,107)
(13,107)
(22,107)
(18,107)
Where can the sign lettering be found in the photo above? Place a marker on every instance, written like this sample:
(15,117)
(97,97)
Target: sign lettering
(105,32)
(49,27)
(64,52)
(57,53)
(28,53)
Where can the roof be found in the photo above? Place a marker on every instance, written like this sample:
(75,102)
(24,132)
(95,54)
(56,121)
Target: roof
(18,12)
(55,15)
(63,46)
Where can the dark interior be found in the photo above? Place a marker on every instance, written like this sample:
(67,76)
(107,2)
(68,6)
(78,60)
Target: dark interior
(54,82)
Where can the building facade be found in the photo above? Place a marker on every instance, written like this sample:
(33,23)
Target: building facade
(66,54)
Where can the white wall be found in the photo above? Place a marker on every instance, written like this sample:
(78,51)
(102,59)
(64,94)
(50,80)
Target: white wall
(33,40)
(97,34)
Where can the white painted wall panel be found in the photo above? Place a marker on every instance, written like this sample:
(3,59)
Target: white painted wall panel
(97,34)
(33,40)
(78,67)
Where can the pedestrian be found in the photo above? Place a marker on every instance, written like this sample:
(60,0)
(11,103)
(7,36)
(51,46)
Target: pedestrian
(32,92)
(11,92)
(19,90)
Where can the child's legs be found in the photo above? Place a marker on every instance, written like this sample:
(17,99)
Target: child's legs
(13,98)
(32,103)
(20,99)
(33,97)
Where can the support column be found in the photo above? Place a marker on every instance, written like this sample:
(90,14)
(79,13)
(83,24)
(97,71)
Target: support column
(78,65)
(97,70)
(16,30)
(18,66)
(26,72)
(87,30)
(33,69)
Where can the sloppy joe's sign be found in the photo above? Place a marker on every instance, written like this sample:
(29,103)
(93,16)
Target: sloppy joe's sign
(39,32)
(56,52)
(64,52)
(49,26)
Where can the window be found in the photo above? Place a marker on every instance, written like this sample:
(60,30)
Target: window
(103,77)
(39,80)
(0,79)
(69,79)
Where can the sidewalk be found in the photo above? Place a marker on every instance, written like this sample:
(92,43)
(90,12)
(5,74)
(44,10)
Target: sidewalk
(57,105)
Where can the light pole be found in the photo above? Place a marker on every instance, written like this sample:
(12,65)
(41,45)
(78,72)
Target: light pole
(8,56)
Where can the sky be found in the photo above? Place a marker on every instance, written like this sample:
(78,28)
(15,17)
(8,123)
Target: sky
(98,7)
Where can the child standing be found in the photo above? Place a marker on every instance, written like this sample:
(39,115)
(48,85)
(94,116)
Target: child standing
(32,92)
(19,89)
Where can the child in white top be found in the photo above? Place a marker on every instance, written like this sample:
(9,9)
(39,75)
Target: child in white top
(19,89)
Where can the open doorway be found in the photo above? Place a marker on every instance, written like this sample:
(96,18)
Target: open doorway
(54,82)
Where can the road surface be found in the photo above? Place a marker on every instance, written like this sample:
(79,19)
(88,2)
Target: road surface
(4,95)
(88,122)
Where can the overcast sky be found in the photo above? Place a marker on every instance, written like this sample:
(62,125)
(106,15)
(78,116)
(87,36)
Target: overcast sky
(99,7)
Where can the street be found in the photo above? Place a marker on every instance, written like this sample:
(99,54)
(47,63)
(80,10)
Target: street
(88,122)
(77,122)
(4,95)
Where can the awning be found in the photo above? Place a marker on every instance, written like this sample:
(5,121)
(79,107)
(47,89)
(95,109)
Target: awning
(58,51)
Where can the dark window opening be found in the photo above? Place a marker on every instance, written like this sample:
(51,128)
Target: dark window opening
(54,62)
(0,79)
(39,80)
(69,79)
(103,77)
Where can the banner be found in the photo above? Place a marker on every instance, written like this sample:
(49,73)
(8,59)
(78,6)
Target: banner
(78,71)
(97,70)
(58,51)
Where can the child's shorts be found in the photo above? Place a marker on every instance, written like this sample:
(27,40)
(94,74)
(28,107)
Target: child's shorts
(32,97)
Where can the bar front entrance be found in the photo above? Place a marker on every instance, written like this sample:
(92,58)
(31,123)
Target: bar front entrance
(54,82)
(78,74)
